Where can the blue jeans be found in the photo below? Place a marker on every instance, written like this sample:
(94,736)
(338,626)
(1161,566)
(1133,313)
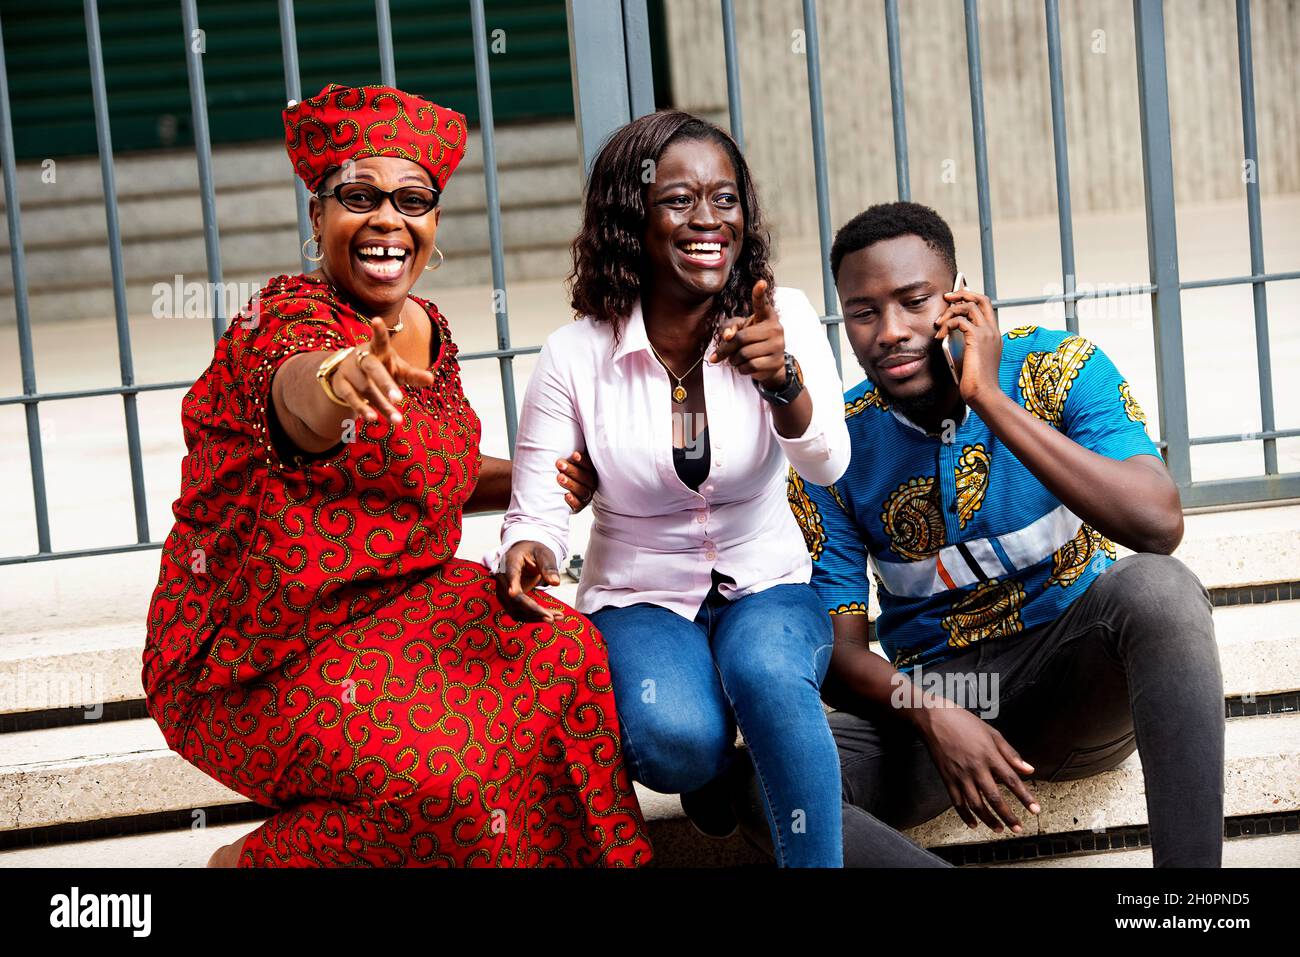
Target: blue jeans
(683,687)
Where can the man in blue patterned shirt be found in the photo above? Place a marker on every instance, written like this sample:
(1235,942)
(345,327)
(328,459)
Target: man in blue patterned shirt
(985,512)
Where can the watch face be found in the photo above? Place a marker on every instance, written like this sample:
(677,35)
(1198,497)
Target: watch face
(798,372)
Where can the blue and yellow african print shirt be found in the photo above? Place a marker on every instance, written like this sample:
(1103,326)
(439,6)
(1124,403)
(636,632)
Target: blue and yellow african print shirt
(964,543)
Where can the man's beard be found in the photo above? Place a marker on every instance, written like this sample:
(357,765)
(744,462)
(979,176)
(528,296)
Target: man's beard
(919,408)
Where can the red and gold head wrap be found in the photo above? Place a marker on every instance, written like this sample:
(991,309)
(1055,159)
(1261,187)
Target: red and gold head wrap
(342,123)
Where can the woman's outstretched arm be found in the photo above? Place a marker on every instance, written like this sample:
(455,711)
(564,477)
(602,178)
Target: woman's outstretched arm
(312,421)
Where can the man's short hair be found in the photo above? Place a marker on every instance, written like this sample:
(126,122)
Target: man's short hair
(887,221)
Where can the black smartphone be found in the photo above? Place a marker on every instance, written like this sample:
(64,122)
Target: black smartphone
(954,343)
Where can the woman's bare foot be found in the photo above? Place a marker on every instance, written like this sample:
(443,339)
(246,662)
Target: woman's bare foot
(228,854)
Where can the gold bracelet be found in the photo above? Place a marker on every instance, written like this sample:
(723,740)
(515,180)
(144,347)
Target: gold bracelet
(326,368)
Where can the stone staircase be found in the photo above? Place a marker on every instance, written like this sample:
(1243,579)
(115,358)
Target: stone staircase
(86,779)
(64,225)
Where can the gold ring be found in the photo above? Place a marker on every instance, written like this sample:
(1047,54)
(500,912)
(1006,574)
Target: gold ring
(362,354)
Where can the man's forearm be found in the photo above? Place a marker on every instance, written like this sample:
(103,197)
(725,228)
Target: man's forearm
(1129,502)
(858,677)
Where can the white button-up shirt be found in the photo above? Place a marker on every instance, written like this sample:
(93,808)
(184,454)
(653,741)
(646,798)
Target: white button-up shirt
(654,539)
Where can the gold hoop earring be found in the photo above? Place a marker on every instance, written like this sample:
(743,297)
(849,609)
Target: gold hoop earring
(441,258)
(319,255)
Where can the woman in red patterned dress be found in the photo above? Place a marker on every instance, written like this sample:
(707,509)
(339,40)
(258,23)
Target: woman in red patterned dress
(313,641)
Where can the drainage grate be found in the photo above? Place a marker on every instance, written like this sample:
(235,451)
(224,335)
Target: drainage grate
(1282,702)
(1254,594)
(1112,839)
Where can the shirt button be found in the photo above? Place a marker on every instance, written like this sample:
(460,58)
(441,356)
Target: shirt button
(710,555)
(701,517)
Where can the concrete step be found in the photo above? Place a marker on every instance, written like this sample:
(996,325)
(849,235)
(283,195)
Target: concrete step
(193,847)
(111,769)
(47,670)
(82,667)
(189,848)
(107,770)
(1242,546)
(1271,850)
(1261,776)
(119,769)
(1259,647)
(102,769)
(675,845)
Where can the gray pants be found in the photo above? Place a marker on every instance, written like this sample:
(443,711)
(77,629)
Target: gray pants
(1132,663)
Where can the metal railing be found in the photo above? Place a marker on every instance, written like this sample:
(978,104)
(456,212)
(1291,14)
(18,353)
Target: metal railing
(613,83)
(31,397)
(595,56)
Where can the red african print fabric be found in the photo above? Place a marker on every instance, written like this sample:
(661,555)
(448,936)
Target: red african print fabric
(314,644)
(342,123)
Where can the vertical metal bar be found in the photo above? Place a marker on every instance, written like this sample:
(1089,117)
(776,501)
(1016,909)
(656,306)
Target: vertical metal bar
(640,70)
(733,72)
(976,72)
(488,134)
(26,355)
(597,52)
(1162,234)
(293,90)
(897,101)
(384,27)
(203,149)
(1064,217)
(125,361)
(1245,61)
(813,55)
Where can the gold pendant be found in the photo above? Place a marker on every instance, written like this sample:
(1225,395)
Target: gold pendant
(679,395)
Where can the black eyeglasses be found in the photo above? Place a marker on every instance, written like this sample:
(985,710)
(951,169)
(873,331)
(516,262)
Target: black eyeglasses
(365,198)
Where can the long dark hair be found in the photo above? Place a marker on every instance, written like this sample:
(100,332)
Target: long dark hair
(608,258)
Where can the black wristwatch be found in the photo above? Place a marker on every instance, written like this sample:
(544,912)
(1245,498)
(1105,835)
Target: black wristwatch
(793,384)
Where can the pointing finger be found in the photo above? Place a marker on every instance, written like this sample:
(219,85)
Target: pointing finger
(378,338)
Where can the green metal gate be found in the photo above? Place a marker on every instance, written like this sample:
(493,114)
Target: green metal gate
(338,41)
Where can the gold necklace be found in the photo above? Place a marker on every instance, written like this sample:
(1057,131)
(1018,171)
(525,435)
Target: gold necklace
(679,393)
(394,330)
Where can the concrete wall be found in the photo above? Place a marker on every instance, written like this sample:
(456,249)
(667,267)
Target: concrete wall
(1100,97)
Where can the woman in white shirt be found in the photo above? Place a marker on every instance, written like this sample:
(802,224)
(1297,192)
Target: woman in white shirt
(693,384)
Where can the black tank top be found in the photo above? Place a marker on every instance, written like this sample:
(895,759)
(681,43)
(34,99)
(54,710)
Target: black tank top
(693,469)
